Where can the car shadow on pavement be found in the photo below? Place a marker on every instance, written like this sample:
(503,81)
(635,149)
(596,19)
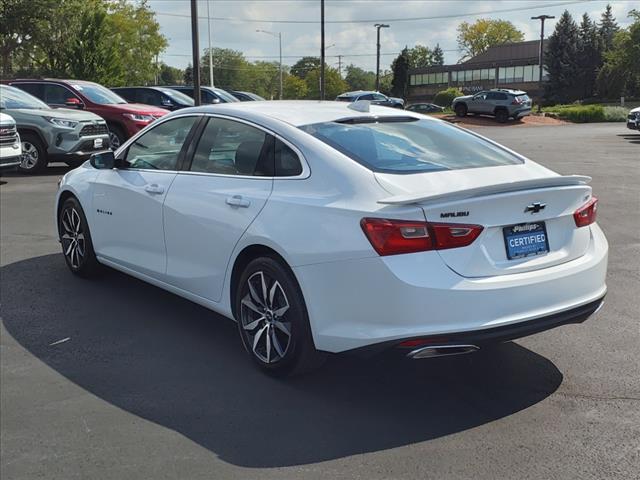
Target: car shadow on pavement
(631,137)
(181,366)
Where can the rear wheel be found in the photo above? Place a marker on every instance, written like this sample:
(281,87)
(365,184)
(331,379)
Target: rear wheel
(461,110)
(502,116)
(273,321)
(75,239)
(34,155)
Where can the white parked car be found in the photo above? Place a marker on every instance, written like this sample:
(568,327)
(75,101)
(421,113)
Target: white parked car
(633,119)
(10,149)
(333,227)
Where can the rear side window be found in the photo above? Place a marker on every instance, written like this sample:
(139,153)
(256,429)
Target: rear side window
(34,89)
(414,146)
(523,98)
(496,96)
(287,161)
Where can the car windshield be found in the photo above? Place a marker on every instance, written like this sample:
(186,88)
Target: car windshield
(11,97)
(98,94)
(178,97)
(406,145)
(226,96)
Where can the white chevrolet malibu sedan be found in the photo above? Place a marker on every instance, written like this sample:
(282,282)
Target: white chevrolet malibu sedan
(330,227)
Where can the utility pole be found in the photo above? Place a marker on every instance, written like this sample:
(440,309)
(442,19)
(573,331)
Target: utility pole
(210,52)
(542,18)
(195,47)
(321,49)
(378,27)
(279,35)
(340,64)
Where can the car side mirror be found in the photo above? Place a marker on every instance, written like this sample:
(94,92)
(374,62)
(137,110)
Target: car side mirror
(103,160)
(166,102)
(215,101)
(73,103)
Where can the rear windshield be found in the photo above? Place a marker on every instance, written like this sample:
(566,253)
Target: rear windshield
(410,146)
(523,98)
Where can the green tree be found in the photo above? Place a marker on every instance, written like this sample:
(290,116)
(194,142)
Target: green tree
(334,84)
(589,56)
(400,68)
(420,56)
(91,46)
(475,38)
(136,35)
(438,56)
(620,74)
(170,75)
(561,61)
(608,28)
(359,79)
(230,69)
(294,88)
(305,65)
(263,78)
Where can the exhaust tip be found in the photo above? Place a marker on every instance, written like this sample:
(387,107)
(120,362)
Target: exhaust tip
(441,351)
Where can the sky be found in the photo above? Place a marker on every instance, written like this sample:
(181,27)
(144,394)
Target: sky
(234,23)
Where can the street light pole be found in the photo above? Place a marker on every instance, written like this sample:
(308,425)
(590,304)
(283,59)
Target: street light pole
(195,47)
(321,49)
(542,18)
(279,35)
(378,27)
(210,53)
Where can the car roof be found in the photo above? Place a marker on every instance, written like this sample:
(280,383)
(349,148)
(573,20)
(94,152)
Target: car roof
(357,92)
(508,90)
(301,112)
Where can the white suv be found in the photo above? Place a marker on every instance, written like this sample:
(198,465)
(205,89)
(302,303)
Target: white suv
(10,150)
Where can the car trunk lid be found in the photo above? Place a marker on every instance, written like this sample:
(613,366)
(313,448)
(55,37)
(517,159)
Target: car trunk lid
(542,203)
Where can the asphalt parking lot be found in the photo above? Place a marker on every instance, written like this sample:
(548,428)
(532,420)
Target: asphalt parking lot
(113,378)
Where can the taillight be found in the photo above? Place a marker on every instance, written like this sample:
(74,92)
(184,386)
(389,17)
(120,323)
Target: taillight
(391,237)
(586,214)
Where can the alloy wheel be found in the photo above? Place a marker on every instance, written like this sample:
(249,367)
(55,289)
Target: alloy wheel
(29,157)
(262,315)
(73,239)
(114,141)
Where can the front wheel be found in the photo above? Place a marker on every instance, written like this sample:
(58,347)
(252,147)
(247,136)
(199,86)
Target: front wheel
(75,239)
(34,154)
(273,321)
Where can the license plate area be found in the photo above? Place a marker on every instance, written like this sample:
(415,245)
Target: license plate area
(97,143)
(526,240)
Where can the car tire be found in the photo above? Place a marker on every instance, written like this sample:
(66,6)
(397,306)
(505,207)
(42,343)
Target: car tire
(272,320)
(461,110)
(116,137)
(75,238)
(502,116)
(34,154)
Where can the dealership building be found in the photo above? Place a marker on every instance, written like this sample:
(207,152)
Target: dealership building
(512,65)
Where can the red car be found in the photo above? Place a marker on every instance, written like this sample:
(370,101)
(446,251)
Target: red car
(123,119)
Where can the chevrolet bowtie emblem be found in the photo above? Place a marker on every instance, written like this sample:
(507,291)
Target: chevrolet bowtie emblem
(535,207)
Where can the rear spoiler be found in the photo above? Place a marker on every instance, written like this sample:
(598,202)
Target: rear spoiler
(546,182)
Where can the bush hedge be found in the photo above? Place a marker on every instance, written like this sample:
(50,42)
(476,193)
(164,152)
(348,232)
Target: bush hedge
(578,113)
(445,97)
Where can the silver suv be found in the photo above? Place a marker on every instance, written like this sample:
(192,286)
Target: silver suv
(52,134)
(499,102)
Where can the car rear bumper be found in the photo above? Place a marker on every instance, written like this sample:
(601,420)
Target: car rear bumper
(371,301)
(522,113)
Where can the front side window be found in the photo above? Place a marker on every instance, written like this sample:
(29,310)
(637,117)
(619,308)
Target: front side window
(56,94)
(399,145)
(228,147)
(159,148)
(149,97)
(379,97)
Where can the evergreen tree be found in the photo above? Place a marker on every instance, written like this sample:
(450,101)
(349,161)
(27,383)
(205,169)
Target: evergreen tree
(400,68)
(437,57)
(608,28)
(589,56)
(561,61)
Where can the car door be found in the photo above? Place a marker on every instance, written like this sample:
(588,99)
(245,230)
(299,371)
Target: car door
(127,223)
(478,103)
(211,205)
(58,95)
(495,99)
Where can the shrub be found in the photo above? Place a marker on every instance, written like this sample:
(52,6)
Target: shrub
(578,113)
(445,97)
(615,114)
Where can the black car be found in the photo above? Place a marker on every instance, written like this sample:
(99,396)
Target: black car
(425,108)
(157,96)
(246,96)
(207,94)
(376,98)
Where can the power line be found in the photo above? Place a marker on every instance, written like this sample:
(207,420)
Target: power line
(300,56)
(375,20)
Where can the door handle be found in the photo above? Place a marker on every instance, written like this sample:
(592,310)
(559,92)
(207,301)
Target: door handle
(237,201)
(154,188)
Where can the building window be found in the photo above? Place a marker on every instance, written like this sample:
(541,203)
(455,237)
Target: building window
(528,73)
(492,74)
(412,80)
(467,75)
